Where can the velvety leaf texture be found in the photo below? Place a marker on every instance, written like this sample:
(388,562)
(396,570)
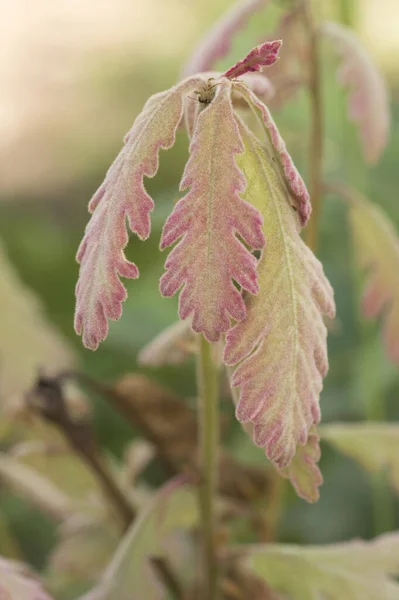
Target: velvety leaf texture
(208,221)
(377,250)
(373,445)
(281,344)
(368,102)
(346,571)
(303,471)
(264,55)
(293,178)
(122,196)
(217,43)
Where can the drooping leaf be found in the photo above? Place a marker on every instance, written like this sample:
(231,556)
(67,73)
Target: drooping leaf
(355,570)
(264,55)
(281,344)
(373,445)
(303,471)
(208,221)
(377,250)
(294,180)
(128,576)
(171,347)
(28,341)
(17,582)
(367,102)
(121,197)
(217,42)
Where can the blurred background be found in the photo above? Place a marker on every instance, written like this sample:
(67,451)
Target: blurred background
(74,76)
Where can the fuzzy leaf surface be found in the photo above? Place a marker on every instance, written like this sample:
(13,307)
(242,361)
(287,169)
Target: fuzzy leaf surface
(368,103)
(293,178)
(303,471)
(354,570)
(281,344)
(218,41)
(264,55)
(122,197)
(17,582)
(377,251)
(375,446)
(208,221)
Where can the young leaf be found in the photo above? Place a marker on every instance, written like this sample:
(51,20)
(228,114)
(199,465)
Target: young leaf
(17,582)
(377,250)
(209,219)
(368,102)
(281,344)
(28,341)
(303,471)
(217,43)
(264,55)
(373,445)
(352,570)
(99,291)
(128,576)
(294,180)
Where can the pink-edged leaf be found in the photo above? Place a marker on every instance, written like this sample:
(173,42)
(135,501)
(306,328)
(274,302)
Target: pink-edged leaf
(121,197)
(368,101)
(377,250)
(209,219)
(17,582)
(294,180)
(303,471)
(264,55)
(281,344)
(217,43)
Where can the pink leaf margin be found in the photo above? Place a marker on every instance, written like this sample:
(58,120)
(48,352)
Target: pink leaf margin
(264,55)
(217,43)
(368,104)
(122,196)
(294,180)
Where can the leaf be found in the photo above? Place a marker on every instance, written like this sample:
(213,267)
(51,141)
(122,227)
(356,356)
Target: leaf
(281,344)
(17,582)
(375,446)
(28,341)
(368,103)
(209,219)
(294,180)
(217,42)
(303,471)
(35,487)
(355,570)
(171,347)
(377,250)
(99,291)
(127,577)
(264,55)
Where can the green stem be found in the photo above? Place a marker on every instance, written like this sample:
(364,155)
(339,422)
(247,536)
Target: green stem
(316,147)
(207,377)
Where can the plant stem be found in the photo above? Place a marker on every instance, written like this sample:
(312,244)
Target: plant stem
(207,378)
(317,131)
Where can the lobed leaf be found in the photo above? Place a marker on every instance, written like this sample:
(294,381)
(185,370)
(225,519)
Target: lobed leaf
(208,221)
(355,570)
(264,55)
(368,101)
(375,446)
(17,582)
(293,178)
(121,197)
(281,344)
(303,471)
(377,250)
(217,43)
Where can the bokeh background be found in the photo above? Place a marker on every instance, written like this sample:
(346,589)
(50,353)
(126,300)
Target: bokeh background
(74,75)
